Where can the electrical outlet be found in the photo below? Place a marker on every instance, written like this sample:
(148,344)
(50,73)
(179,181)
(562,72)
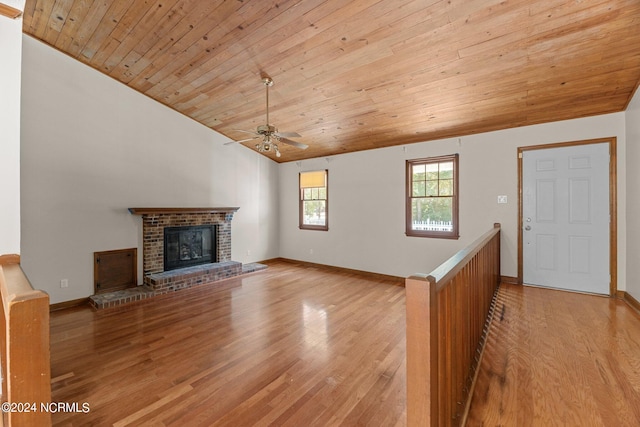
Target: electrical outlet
(502,199)
(310,251)
(248,252)
(64,283)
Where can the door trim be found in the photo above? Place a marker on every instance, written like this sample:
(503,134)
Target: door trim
(613,204)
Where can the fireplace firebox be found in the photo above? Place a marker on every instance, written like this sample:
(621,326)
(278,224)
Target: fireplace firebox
(188,246)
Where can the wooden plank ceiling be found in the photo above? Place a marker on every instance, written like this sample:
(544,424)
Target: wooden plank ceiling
(357,75)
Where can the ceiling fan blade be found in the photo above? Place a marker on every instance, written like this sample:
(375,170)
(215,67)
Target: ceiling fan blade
(288,134)
(241,141)
(294,143)
(246,131)
(248,139)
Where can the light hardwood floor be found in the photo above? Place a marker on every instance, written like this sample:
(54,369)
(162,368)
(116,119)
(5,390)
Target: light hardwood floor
(293,345)
(297,345)
(555,358)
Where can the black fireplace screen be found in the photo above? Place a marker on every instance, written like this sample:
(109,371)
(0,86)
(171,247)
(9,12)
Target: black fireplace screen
(189,246)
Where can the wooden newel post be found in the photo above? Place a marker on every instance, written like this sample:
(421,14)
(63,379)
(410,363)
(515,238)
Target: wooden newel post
(422,351)
(24,347)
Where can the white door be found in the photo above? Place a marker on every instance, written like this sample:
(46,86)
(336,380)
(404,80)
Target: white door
(565,224)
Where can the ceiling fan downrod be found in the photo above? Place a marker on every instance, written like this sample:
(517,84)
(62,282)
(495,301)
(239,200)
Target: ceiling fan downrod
(268,81)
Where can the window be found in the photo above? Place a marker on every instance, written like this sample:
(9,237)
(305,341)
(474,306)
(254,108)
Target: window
(313,200)
(432,197)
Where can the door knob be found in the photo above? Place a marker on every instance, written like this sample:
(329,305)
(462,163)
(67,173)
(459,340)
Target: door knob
(528,227)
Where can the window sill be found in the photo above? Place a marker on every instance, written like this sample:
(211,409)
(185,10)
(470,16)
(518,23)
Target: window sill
(450,236)
(314,227)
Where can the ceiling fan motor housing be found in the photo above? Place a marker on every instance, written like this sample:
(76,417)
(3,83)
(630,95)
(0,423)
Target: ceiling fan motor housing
(267,130)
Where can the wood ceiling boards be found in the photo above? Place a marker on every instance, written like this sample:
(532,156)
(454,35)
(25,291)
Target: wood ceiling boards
(353,76)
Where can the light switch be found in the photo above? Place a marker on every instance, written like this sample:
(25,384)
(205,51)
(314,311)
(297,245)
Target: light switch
(502,199)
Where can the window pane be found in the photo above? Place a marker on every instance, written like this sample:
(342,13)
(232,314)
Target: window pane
(314,193)
(322,193)
(446,187)
(432,214)
(418,172)
(307,194)
(419,189)
(432,188)
(446,170)
(432,170)
(314,212)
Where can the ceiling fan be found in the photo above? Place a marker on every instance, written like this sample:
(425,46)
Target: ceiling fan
(269,134)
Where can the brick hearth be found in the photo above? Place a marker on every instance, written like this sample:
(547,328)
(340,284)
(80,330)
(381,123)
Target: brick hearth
(140,294)
(169,281)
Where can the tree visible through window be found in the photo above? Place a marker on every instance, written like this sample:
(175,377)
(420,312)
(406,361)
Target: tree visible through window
(432,197)
(313,200)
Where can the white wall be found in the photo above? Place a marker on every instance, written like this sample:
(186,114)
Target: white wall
(633,199)
(367,196)
(10,64)
(91,148)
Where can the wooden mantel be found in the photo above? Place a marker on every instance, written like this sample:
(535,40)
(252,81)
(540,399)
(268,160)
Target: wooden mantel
(159,211)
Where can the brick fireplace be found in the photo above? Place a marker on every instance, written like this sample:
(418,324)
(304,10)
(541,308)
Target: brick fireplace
(154,222)
(159,280)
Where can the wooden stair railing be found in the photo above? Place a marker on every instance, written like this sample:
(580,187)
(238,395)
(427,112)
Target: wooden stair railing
(24,348)
(447,311)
